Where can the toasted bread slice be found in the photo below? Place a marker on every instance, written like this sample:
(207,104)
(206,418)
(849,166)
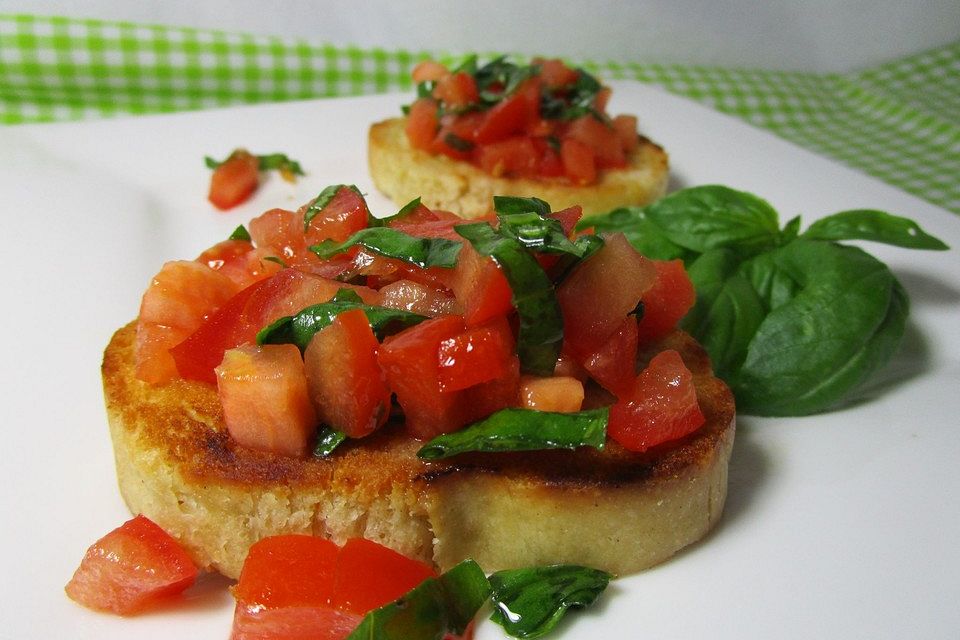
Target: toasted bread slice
(404,173)
(609,509)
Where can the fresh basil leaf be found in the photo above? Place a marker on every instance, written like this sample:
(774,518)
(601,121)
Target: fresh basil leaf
(279,162)
(790,231)
(322,200)
(541,322)
(404,211)
(709,217)
(436,607)
(298,329)
(423,252)
(836,315)
(507,205)
(877,226)
(276,259)
(541,234)
(529,602)
(585,246)
(522,430)
(240,233)
(641,232)
(328,439)
(212,163)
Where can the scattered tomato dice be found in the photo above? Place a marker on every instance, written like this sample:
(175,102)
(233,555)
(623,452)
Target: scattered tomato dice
(662,405)
(133,567)
(235,180)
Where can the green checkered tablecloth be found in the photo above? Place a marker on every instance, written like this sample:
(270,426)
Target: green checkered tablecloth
(899,121)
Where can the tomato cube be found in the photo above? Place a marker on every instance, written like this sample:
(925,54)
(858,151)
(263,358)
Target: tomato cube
(370,575)
(480,287)
(579,161)
(235,180)
(476,355)
(346,384)
(419,298)
(660,407)
(339,219)
(131,568)
(266,404)
(668,300)
(614,364)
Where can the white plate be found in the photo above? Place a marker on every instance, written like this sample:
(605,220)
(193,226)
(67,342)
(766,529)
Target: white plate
(840,525)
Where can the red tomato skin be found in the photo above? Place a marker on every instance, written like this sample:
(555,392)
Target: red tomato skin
(614,365)
(179,300)
(579,161)
(265,579)
(370,575)
(568,218)
(422,123)
(292,623)
(662,406)
(131,568)
(511,157)
(503,120)
(456,89)
(668,300)
(266,403)
(554,73)
(234,181)
(489,397)
(626,130)
(422,299)
(597,296)
(601,138)
(411,364)
(480,287)
(476,355)
(428,71)
(346,384)
(343,216)
(239,261)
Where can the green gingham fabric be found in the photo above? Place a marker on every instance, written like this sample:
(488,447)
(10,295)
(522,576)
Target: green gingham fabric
(899,122)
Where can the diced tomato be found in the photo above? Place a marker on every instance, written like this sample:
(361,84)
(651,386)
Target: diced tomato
(614,365)
(234,180)
(343,216)
(626,130)
(549,164)
(601,99)
(428,71)
(504,119)
(667,301)
(239,261)
(561,394)
(456,135)
(411,363)
(415,297)
(346,384)
(131,568)
(422,123)
(512,157)
(579,161)
(266,404)
(600,292)
(488,397)
(370,575)
(555,74)
(295,587)
(480,287)
(239,319)
(568,218)
(601,138)
(456,89)
(660,407)
(179,299)
(281,231)
(476,355)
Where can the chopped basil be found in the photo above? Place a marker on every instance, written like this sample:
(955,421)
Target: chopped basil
(456,142)
(533,295)
(436,607)
(298,329)
(404,211)
(328,439)
(322,200)
(423,252)
(529,602)
(240,233)
(522,430)
(507,205)
(279,261)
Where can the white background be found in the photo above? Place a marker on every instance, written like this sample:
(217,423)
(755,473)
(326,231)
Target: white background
(816,35)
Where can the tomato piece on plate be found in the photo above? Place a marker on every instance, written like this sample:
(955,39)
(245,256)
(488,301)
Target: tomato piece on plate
(344,215)
(476,355)
(370,575)
(614,364)
(131,568)
(235,180)
(660,407)
(480,287)
(346,384)
(668,300)
(562,394)
(178,301)
(266,404)
(411,363)
(600,292)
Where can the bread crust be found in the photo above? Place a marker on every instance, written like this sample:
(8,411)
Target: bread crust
(611,509)
(403,173)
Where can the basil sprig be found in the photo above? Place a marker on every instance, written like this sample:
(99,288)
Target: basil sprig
(529,602)
(541,323)
(522,430)
(436,607)
(299,328)
(389,242)
(793,321)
